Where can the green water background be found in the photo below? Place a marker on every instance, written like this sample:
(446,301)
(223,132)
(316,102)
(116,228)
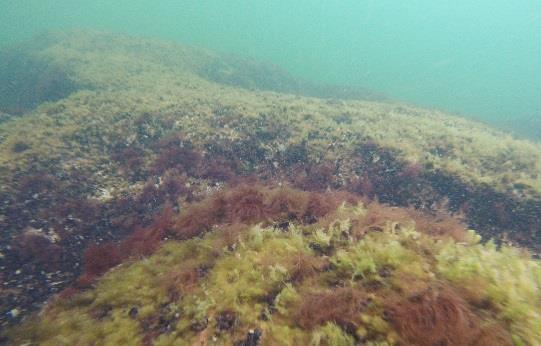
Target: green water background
(478,58)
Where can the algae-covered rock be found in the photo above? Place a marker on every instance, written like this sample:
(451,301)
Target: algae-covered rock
(215,182)
(386,285)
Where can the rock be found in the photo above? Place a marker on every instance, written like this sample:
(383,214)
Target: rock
(252,338)
(199,325)
(14,313)
(225,320)
(133,312)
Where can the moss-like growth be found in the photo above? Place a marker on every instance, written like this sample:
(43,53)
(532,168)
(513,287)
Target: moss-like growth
(390,285)
(152,128)
(505,279)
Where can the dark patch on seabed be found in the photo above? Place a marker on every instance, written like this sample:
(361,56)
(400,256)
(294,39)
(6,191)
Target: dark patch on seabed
(35,266)
(28,80)
(62,229)
(495,215)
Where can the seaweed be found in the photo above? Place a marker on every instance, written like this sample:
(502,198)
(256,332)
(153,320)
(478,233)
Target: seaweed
(222,202)
(342,306)
(394,285)
(174,152)
(34,247)
(246,204)
(98,259)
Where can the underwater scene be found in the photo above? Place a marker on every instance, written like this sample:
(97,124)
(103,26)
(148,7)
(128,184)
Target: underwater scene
(270,173)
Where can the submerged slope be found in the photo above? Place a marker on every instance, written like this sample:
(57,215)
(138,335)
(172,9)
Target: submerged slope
(149,126)
(158,85)
(356,275)
(133,75)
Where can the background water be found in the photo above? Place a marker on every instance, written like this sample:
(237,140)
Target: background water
(477,58)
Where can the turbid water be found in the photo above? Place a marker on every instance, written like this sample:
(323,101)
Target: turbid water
(250,174)
(479,59)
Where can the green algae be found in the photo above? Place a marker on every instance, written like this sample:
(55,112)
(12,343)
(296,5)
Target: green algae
(138,92)
(123,75)
(506,278)
(253,280)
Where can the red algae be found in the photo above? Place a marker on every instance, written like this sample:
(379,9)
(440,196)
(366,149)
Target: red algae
(142,242)
(439,316)
(342,306)
(253,203)
(33,246)
(127,168)
(100,258)
(175,152)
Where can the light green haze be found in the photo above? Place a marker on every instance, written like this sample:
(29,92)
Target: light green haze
(477,58)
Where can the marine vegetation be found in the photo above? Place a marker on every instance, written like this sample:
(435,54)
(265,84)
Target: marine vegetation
(257,265)
(153,193)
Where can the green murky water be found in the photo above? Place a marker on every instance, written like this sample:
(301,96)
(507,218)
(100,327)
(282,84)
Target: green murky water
(476,58)
(268,180)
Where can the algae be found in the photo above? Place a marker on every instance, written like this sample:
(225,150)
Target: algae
(150,125)
(250,286)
